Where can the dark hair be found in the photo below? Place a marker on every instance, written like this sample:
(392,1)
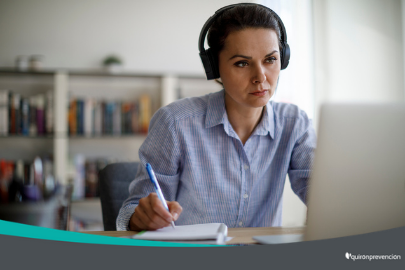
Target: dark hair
(239,18)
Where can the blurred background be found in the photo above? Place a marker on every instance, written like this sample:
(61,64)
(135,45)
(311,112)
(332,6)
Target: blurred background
(79,81)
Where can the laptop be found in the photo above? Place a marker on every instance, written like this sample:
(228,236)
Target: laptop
(357,184)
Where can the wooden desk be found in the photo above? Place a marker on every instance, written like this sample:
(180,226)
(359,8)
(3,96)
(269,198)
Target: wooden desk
(240,235)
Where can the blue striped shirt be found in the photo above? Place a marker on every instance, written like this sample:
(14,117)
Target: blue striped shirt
(200,162)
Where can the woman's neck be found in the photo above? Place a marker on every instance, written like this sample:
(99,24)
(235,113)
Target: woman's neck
(243,120)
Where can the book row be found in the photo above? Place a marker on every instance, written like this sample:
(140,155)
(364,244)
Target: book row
(21,115)
(83,175)
(92,117)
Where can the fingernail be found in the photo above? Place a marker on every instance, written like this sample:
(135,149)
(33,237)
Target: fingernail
(175,216)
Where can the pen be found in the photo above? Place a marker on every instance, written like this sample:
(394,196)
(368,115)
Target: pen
(157,188)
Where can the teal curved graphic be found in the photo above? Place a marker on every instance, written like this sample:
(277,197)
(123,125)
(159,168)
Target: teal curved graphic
(29,231)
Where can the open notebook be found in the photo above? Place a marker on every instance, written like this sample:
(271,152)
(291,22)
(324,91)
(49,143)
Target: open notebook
(208,231)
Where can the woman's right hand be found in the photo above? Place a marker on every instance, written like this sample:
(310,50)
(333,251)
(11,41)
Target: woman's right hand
(150,214)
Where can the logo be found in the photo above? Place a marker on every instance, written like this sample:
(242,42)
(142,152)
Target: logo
(350,256)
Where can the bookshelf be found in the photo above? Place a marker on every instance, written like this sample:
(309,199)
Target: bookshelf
(86,84)
(62,146)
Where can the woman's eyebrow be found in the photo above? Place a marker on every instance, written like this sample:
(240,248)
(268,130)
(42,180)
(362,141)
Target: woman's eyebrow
(273,52)
(240,55)
(249,57)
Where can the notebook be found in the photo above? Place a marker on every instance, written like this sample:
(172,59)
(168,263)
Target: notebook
(208,231)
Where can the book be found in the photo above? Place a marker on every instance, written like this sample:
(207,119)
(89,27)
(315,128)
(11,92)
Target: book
(103,118)
(33,116)
(98,121)
(40,114)
(80,116)
(4,112)
(88,117)
(25,117)
(145,113)
(72,120)
(208,231)
(134,118)
(126,117)
(108,120)
(17,108)
(116,119)
(14,113)
(49,112)
(79,177)
(91,179)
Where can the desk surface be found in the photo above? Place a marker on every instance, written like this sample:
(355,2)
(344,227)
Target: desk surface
(239,235)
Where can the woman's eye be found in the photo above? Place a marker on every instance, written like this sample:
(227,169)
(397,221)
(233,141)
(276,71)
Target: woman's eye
(271,60)
(241,64)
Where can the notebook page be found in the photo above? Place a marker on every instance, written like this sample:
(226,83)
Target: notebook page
(186,232)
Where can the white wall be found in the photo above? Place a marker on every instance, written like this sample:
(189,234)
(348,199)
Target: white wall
(151,36)
(403,41)
(358,50)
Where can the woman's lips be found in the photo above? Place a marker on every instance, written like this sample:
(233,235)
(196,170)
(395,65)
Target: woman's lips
(259,93)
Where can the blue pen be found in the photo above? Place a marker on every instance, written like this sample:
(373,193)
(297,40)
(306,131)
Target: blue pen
(157,187)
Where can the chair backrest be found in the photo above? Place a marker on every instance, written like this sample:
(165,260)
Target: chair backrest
(114,181)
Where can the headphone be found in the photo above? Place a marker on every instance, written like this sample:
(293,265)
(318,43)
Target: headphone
(209,58)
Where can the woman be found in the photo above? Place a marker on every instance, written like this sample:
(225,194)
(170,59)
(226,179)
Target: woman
(224,157)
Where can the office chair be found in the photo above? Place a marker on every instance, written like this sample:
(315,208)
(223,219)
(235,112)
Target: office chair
(114,181)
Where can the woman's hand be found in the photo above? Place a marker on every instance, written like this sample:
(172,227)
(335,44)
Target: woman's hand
(150,214)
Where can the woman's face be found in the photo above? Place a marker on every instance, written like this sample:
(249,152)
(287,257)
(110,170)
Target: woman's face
(249,64)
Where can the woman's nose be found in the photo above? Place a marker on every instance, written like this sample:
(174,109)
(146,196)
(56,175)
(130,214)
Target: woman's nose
(258,76)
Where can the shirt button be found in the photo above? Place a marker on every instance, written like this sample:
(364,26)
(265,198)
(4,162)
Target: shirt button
(240,223)
(245,196)
(246,167)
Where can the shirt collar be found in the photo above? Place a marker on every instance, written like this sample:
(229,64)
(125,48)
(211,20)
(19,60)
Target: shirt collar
(266,125)
(216,115)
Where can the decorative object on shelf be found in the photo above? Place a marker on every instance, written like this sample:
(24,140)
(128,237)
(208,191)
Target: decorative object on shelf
(36,62)
(29,194)
(21,62)
(113,64)
(28,182)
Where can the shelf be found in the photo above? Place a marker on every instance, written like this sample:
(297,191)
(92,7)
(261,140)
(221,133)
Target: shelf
(122,136)
(94,72)
(26,137)
(77,72)
(74,137)
(13,71)
(88,213)
(101,73)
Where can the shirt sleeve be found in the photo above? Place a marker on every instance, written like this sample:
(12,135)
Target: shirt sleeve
(124,216)
(161,149)
(302,156)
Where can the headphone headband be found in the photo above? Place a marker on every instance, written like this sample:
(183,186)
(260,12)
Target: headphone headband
(209,60)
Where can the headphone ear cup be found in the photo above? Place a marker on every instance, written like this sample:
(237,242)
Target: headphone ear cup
(285,56)
(213,62)
(210,64)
